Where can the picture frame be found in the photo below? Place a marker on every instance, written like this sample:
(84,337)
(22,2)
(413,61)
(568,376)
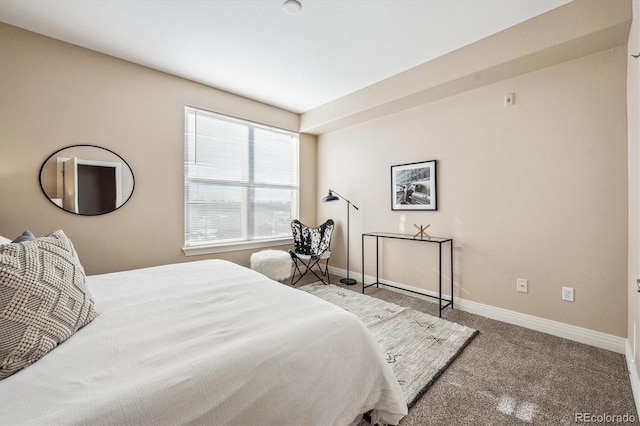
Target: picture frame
(413,186)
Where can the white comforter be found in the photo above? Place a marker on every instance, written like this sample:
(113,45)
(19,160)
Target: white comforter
(206,342)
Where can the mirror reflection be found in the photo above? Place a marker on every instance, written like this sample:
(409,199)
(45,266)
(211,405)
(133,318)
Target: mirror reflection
(86,180)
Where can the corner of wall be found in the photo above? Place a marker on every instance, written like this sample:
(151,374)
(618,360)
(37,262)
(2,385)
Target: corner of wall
(633,128)
(308,178)
(633,375)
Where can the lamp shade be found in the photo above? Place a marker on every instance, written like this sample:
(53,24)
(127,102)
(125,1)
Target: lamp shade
(330,197)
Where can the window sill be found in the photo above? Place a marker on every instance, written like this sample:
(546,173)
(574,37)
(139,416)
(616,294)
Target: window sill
(245,245)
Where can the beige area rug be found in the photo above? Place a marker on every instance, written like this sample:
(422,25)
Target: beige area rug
(417,346)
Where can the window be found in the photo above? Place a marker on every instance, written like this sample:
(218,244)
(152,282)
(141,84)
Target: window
(241,183)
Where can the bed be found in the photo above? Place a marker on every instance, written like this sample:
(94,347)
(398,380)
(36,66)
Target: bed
(206,342)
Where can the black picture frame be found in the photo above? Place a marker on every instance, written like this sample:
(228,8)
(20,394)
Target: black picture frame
(413,186)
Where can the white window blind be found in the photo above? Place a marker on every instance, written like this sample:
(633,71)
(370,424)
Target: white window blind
(241,180)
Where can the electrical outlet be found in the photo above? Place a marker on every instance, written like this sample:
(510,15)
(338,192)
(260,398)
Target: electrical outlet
(521,285)
(567,294)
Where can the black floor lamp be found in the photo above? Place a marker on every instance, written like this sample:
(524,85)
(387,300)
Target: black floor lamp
(334,196)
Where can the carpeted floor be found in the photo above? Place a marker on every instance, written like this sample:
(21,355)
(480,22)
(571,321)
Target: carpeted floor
(510,375)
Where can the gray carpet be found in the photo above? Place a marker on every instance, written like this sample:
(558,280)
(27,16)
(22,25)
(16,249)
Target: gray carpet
(417,346)
(510,375)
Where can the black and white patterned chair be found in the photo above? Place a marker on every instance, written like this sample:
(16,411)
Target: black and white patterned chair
(311,250)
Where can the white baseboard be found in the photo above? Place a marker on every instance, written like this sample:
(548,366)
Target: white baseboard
(633,375)
(566,331)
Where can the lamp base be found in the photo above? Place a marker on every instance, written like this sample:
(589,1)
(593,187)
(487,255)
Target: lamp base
(348,281)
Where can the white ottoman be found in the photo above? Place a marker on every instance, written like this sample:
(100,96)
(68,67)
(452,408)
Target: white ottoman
(275,264)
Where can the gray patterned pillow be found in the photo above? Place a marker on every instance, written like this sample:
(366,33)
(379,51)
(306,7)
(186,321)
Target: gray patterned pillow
(43,299)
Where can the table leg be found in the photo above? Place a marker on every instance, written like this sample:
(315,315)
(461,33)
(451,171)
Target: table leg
(451,245)
(362,263)
(440,280)
(377,263)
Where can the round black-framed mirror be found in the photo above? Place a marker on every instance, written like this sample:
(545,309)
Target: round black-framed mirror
(87,180)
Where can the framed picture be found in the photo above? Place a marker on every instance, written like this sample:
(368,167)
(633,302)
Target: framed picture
(413,186)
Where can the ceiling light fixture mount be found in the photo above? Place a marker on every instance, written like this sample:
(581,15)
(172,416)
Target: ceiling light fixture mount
(292,7)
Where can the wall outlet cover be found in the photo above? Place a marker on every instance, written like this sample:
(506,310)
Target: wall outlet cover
(522,285)
(567,294)
(509,99)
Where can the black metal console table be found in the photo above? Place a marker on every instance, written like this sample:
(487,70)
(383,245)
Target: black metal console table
(433,240)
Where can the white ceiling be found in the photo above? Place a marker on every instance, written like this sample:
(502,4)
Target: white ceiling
(253,48)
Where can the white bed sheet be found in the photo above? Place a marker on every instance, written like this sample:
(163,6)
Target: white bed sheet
(206,342)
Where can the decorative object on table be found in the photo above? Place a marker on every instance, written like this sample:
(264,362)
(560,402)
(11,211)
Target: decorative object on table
(418,347)
(275,264)
(413,186)
(334,196)
(311,246)
(422,231)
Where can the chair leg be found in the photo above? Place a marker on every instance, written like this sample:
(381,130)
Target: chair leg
(326,271)
(296,268)
(308,267)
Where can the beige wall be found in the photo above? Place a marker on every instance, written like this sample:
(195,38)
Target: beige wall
(633,106)
(53,94)
(537,191)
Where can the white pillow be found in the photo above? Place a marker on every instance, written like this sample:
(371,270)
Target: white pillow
(4,240)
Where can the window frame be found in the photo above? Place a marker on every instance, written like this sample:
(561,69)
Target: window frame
(209,247)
